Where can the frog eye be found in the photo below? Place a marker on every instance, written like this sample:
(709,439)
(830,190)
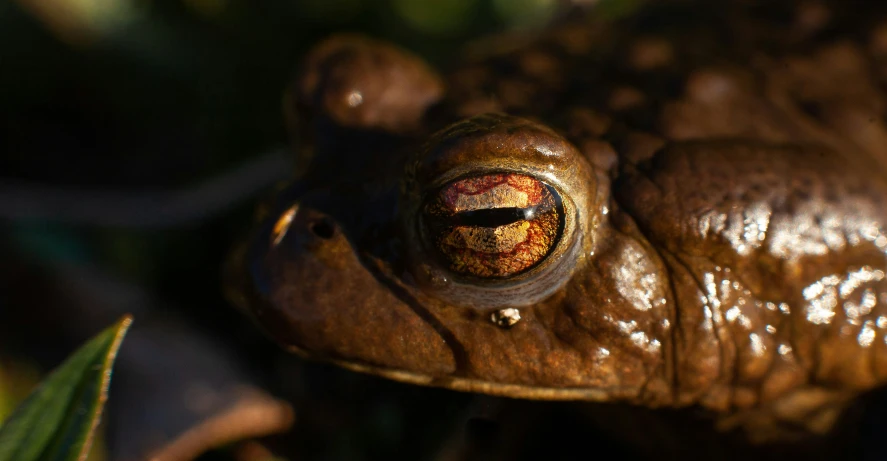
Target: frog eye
(494,225)
(497,212)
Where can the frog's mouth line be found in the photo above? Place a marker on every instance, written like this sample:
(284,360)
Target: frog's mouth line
(516,391)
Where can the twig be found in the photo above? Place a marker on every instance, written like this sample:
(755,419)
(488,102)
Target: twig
(20,200)
(256,415)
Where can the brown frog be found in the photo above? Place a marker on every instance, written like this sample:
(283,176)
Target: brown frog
(685,207)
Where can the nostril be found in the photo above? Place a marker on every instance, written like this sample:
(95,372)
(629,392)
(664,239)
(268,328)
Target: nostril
(323,229)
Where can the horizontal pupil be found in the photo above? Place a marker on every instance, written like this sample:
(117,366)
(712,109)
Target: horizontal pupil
(493,217)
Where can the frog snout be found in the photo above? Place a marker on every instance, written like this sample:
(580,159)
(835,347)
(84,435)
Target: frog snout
(301,232)
(293,249)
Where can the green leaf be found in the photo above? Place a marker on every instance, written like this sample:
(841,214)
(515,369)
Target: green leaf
(58,419)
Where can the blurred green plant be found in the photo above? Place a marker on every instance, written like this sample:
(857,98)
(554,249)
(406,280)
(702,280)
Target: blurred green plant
(17,378)
(436,16)
(58,420)
(525,13)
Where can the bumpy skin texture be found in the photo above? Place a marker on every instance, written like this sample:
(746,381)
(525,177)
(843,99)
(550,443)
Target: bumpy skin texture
(728,168)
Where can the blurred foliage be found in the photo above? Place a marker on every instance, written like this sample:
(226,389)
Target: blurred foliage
(437,16)
(17,378)
(525,12)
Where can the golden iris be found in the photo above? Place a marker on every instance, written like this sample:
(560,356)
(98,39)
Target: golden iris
(494,225)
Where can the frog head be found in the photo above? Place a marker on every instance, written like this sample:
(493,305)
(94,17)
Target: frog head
(479,253)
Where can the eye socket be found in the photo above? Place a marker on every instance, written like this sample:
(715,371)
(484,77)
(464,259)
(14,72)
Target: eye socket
(494,226)
(497,211)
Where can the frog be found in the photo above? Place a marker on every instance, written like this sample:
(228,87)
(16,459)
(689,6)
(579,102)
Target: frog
(685,207)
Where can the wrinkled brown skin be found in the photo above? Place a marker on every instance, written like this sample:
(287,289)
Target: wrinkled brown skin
(734,159)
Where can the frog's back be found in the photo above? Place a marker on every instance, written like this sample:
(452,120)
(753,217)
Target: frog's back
(777,72)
